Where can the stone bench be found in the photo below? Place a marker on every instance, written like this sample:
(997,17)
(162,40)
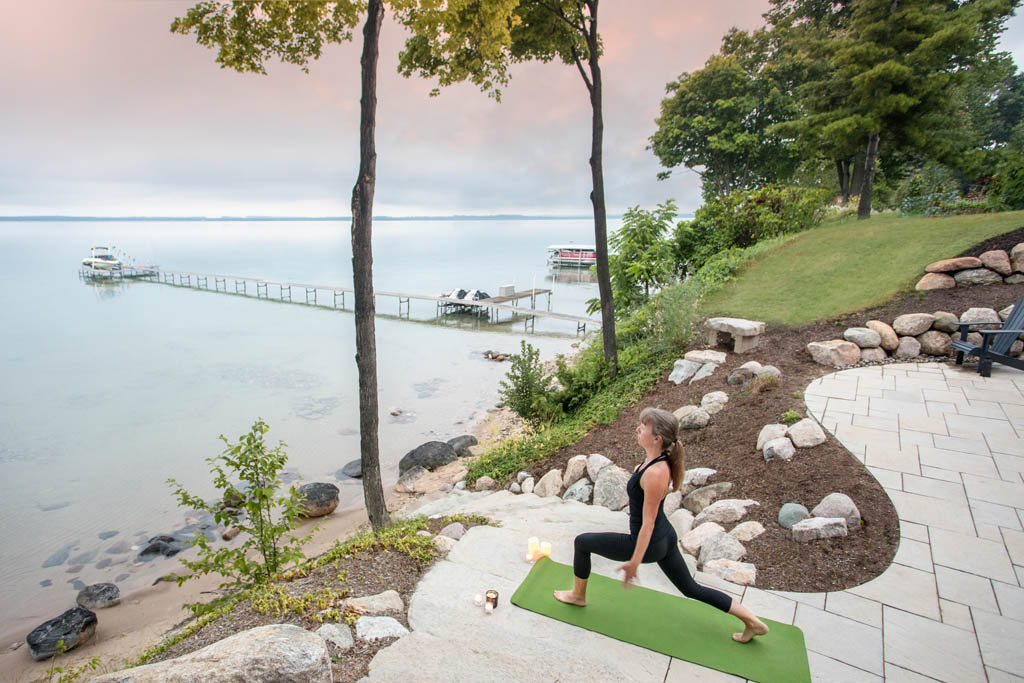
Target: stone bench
(746,334)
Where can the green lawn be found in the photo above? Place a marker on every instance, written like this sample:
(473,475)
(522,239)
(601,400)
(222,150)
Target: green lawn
(848,265)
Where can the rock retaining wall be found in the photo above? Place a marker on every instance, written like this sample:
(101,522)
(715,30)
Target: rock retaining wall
(992,267)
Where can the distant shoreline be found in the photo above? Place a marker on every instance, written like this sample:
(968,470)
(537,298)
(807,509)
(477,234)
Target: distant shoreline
(225,219)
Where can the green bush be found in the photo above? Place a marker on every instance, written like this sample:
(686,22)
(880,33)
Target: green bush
(1007,193)
(743,218)
(526,390)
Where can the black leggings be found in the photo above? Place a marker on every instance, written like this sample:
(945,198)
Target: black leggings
(664,551)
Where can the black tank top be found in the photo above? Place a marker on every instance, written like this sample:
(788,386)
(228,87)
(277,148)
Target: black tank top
(636,504)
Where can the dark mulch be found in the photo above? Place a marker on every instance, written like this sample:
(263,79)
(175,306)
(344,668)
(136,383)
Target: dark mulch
(1006,242)
(727,444)
(368,574)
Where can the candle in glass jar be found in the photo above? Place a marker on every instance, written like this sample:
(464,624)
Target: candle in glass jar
(545,549)
(533,545)
(488,608)
(492,600)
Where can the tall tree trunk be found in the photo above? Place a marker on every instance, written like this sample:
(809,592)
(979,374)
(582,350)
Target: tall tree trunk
(844,186)
(362,272)
(864,208)
(604,282)
(857,172)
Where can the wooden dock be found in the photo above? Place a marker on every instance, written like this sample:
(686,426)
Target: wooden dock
(490,307)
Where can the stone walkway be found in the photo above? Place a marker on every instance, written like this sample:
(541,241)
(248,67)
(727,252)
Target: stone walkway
(946,445)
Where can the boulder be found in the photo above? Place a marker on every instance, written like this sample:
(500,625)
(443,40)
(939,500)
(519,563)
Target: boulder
(1016,348)
(528,485)
(595,463)
(1017,258)
(444,544)
(834,353)
(407,482)
(550,484)
(698,476)
(817,528)
(514,487)
(705,356)
(683,411)
(720,546)
(908,348)
(73,627)
(278,652)
(575,470)
(778,449)
(806,434)
(932,281)
(945,322)
(610,488)
(695,419)
(705,495)
(338,635)
(978,276)
(714,402)
(912,324)
(454,530)
(429,456)
(352,469)
(864,337)
(888,336)
(163,544)
(379,628)
(693,540)
(672,502)
(791,513)
(767,371)
(739,376)
(838,505)
(320,498)
(740,573)
(706,370)
(229,534)
(683,370)
(581,490)
(485,484)
(725,511)
(98,596)
(769,433)
(997,260)
(682,521)
(980,315)
(935,343)
(974,338)
(1005,313)
(381,603)
(461,444)
(953,264)
(873,355)
(521,477)
(1014,279)
(747,531)
(751,365)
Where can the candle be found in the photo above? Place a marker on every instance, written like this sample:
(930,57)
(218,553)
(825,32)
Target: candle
(488,608)
(478,599)
(492,600)
(529,557)
(545,549)
(533,545)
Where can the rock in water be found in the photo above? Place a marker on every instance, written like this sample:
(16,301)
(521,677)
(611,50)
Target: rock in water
(74,627)
(461,444)
(265,654)
(353,469)
(429,456)
(321,499)
(98,596)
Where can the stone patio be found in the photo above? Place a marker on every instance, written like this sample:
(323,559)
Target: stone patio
(947,446)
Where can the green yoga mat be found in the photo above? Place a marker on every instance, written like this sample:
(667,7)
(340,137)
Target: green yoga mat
(673,625)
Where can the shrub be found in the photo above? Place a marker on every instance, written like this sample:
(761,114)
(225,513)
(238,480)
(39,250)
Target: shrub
(791,416)
(250,467)
(1007,193)
(526,390)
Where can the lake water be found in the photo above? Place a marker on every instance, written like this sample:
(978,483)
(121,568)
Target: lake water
(109,389)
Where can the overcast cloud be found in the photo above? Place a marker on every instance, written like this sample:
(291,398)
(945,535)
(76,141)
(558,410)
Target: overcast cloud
(105,112)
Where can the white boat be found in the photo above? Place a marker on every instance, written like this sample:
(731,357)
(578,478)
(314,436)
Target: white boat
(100,258)
(584,255)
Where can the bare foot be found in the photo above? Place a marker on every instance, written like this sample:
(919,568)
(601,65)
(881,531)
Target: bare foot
(757,628)
(570,598)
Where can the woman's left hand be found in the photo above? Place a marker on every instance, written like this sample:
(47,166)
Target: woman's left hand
(630,569)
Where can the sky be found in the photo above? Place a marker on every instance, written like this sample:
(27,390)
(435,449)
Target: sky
(104,112)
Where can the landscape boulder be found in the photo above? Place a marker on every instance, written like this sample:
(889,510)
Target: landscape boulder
(978,276)
(429,456)
(672,502)
(352,469)
(683,411)
(610,488)
(705,371)
(770,432)
(461,444)
(98,596)
(838,505)
(265,654)
(705,495)
(935,343)
(953,264)
(575,470)
(945,322)
(320,498)
(693,540)
(997,260)
(980,315)
(864,337)
(695,419)
(725,511)
(720,546)
(528,485)
(379,628)
(407,482)
(581,491)
(1005,313)
(74,627)
(791,513)
(806,433)
(747,531)
(705,356)
(767,371)
(888,337)
(549,485)
(909,348)
(739,376)
(381,603)
(682,521)
(714,402)
(834,353)
(778,449)
(338,635)
(873,355)
(485,484)
(817,528)
(740,573)
(912,324)
(932,281)
(1017,258)
(595,463)
(683,370)
(455,530)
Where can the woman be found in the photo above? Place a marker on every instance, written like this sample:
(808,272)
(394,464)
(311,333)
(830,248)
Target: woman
(651,537)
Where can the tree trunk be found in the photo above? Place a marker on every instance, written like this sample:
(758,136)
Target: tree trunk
(362,272)
(864,208)
(604,283)
(844,186)
(857,172)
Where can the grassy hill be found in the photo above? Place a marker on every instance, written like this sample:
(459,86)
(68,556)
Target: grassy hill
(847,265)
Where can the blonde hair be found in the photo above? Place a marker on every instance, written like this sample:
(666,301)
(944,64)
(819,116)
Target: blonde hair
(665,425)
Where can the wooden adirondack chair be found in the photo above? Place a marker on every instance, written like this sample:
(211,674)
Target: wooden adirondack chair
(995,345)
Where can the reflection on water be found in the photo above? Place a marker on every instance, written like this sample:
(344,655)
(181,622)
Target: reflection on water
(107,289)
(567,274)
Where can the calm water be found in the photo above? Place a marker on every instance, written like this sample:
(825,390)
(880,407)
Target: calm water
(109,389)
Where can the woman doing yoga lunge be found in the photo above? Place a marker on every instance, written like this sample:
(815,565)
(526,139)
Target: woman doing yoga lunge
(651,538)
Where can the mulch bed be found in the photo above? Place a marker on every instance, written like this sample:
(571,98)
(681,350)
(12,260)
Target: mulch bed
(727,445)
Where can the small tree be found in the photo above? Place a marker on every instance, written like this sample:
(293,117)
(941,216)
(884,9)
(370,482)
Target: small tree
(525,388)
(249,472)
